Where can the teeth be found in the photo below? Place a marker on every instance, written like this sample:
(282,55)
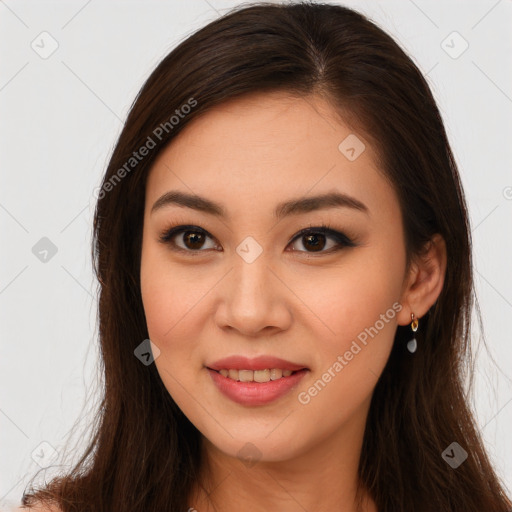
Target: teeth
(261,375)
(276,373)
(255,375)
(245,375)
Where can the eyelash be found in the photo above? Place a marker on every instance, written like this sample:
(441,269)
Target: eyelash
(341,239)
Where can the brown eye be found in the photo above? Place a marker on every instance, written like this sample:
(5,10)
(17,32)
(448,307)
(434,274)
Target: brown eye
(322,239)
(315,242)
(188,239)
(193,239)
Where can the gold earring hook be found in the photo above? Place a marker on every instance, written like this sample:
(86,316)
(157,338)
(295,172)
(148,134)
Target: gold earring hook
(414,323)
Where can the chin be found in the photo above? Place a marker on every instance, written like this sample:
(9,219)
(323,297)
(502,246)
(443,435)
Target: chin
(254,443)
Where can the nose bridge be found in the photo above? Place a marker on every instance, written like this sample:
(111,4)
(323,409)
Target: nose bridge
(252,300)
(251,274)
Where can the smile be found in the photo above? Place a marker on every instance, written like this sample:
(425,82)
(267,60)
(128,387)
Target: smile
(255,381)
(244,388)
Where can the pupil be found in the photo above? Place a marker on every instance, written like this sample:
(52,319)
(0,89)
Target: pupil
(313,240)
(195,239)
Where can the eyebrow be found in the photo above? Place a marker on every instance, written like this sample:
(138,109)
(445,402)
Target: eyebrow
(291,207)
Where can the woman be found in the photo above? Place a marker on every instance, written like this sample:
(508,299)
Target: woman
(283,218)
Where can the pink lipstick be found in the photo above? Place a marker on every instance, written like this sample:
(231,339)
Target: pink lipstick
(256,381)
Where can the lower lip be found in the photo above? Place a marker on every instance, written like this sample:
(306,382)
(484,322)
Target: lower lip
(256,393)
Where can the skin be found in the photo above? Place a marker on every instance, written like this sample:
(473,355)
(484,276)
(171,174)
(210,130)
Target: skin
(307,307)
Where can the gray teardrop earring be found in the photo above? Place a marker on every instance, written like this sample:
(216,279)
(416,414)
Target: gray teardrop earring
(412,345)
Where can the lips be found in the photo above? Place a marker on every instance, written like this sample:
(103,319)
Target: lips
(257,363)
(257,381)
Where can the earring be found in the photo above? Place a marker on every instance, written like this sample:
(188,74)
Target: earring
(412,345)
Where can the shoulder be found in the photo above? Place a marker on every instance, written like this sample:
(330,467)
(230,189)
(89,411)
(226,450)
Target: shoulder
(38,508)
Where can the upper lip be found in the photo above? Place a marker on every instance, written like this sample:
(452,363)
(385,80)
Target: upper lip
(256,363)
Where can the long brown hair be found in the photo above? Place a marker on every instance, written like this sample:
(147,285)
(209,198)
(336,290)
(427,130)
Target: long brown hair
(144,454)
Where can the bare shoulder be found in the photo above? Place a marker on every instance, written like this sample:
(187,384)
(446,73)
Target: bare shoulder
(39,508)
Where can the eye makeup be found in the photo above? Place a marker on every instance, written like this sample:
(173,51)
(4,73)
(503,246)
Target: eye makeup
(317,237)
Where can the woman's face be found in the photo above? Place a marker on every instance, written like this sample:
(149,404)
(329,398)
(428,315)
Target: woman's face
(239,282)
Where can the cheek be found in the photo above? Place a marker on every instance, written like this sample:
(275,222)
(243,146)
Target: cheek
(359,307)
(169,300)
(173,299)
(162,296)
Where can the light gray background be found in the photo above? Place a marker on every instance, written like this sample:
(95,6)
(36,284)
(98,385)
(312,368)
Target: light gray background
(60,117)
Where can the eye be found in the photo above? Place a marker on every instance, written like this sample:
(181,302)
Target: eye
(192,239)
(315,239)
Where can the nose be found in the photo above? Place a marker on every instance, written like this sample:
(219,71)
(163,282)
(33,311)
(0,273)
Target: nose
(253,299)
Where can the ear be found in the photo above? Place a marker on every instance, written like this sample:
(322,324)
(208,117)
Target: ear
(424,282)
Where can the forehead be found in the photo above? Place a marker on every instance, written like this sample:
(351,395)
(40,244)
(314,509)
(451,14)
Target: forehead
(271,123)
(267,146)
